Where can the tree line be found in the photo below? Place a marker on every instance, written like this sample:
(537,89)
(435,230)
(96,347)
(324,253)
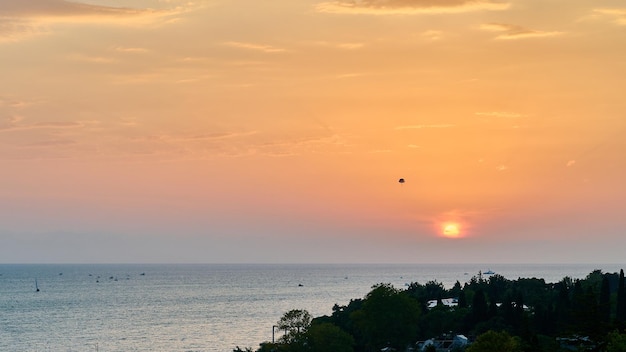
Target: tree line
(495,313)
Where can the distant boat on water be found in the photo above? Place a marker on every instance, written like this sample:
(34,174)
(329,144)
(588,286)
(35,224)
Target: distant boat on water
(489,272)
(36,286)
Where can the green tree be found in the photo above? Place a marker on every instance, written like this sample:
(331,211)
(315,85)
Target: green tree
(388,317)
(493,341)
(616,342)
(327,337)
(462,299)
(295,323)
(620,314)
(604,304)
(480,310)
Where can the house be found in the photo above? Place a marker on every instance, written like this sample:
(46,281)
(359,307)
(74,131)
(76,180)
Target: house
(444,343)
(448,302)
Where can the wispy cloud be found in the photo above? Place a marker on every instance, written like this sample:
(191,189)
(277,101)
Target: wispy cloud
(12,102)
(212,136)
(415,127)
(92,59)
(340,45)
(52,143)
(432,35)
(409,7)
(502,167)
(618,15)
(256,47)
(15,123)
(23,19)
(130,50)
(512,32)
(502,114)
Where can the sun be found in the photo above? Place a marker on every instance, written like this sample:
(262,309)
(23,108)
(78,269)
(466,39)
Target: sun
(451,230)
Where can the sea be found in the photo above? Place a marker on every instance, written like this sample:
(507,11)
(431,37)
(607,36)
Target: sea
(201,307)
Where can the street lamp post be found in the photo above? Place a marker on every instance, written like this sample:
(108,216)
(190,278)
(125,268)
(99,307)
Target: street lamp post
(273,327)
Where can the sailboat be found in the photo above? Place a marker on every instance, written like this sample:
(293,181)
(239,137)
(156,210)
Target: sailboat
(36,286)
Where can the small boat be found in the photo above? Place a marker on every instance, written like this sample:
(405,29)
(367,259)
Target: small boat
(36,286)
(489,272)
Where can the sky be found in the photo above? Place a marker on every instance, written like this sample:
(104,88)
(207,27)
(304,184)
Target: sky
(231,131)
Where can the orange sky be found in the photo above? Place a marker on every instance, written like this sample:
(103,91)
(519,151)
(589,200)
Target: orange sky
(239,131)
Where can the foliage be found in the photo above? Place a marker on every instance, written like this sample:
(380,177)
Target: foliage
(327,337)
(389,317)
(493,341)
(506,315)
(295,323)
(616,342)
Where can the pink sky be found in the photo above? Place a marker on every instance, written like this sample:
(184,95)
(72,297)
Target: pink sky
(238,131)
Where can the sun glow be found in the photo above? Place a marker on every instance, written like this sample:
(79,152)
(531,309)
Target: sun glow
(451,230)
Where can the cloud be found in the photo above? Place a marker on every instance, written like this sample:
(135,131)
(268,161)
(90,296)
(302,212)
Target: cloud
(503,114)
(212,136)
(257,47)
(92,59)
(130,50)
(512,32)
(502,167)
(10,102)
(432,35)
(618,15)
(409,7)
(414,127)
(14,124)
(343,46)
(52,143)
(23,19)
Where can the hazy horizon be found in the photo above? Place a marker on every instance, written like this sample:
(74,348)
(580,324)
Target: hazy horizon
(212,131)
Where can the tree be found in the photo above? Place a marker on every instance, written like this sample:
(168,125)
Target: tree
(493,341)
(616,342)
(327,337)
(388,317)
(604,305)
(480,309)
(620,315)
(462,300)
(295,323)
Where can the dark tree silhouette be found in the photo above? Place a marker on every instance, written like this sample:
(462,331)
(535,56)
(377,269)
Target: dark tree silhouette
(604,304)
(620,314)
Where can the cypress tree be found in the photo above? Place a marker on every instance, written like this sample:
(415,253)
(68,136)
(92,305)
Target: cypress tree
(604,305)
(480,308)
(462,299)
(620,315)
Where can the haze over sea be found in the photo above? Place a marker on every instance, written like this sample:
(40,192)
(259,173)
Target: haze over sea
(208,307)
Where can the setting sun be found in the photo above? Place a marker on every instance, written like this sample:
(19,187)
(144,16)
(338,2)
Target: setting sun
(451,230)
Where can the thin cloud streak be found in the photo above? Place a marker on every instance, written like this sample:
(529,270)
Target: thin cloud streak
(415,127)
(503,114)
(256,47)
(13,124)
(619,15)
(20,20)
(513,32)
(409,7)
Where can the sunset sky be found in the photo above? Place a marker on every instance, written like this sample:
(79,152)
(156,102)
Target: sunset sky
(276,131)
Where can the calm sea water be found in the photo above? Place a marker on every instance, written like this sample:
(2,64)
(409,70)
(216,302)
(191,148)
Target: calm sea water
(171,308)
